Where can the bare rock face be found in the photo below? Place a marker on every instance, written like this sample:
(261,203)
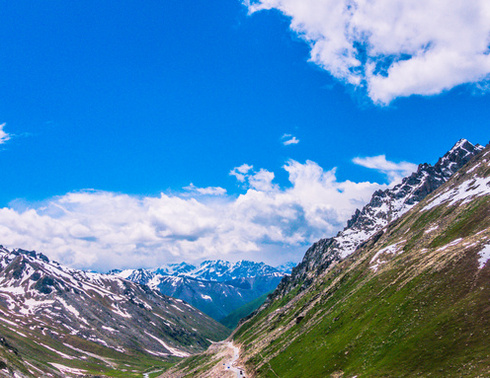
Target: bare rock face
(384,207)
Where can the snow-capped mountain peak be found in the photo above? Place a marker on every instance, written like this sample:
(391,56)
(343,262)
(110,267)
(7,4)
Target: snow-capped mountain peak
(216,287)
(174,269)
(384,207)
(209,270)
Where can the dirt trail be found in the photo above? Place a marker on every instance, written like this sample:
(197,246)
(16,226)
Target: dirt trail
(230,365)
(225,355)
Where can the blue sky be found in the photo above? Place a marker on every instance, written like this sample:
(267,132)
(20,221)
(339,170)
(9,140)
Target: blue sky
(119,101)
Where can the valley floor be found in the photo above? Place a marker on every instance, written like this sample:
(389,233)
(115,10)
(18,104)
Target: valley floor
(221,360)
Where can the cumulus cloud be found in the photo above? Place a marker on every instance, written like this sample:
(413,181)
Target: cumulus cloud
(209,191)
(3,135)
(288,139)
(103,230)
(394,171)
(393,48)
(241,171)
(261,180)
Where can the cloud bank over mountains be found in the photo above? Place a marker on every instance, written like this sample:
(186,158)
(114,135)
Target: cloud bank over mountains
(102,230)
(393,48)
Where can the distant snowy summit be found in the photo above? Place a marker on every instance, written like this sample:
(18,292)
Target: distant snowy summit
(220,271)
(215,287)
(209,270)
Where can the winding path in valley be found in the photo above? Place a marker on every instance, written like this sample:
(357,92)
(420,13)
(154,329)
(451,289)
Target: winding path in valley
(230,365)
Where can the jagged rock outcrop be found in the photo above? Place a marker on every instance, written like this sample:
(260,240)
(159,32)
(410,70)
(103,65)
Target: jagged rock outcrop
(384,207)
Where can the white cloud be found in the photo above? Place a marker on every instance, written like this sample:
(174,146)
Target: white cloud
(394,48)
(261,180)
(209,191)
(103,230)
(394,171)
(241,171)
(3,135)
(288,139)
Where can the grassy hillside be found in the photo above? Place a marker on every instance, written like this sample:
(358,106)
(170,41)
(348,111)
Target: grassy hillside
(412,301)
(231,321)
(35,357)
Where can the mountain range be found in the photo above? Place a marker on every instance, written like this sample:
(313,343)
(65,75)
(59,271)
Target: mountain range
(215,287)
(402,291)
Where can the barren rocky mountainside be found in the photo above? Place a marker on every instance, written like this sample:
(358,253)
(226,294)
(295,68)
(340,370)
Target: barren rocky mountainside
(59,322)
(411,300)
(215,287)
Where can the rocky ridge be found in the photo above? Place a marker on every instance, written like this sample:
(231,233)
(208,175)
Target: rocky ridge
(384,207)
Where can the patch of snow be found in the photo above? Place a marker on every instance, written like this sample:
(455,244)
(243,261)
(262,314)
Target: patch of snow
(19,333)
(143,303)
(68,307)
(110,329)
(61,354)
(166,321)
(9,288)
(453,243)
(429,230)
(158,354)
(96,340)
(472,169)
(484,256)
(206,297)
(121,285)
(465,192)
(174,306)
(30,305)
(65,369)
(154,282)
(175,352)
(8,322)
(115,309)
(32,366)
(391,249)
(125,273)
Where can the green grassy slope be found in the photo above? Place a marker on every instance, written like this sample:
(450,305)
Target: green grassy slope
(424,312)
(231,320)
(35,357)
